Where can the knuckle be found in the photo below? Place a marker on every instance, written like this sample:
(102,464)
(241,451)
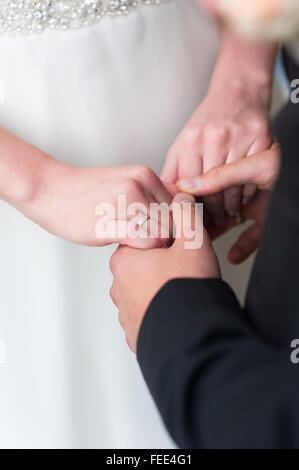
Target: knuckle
(132,187)
(260,127)
(115,261)
(214,173)
(144,173)
(217,133)
(112,293)
(191,134)
(240,129)
(214,177)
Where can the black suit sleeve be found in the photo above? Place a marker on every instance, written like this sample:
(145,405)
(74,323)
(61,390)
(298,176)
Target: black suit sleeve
(272,298)
(217,384)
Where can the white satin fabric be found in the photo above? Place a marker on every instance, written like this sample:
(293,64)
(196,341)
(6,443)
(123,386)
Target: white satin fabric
(117,92)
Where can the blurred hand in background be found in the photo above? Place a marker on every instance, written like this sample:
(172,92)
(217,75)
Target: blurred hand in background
(271,19)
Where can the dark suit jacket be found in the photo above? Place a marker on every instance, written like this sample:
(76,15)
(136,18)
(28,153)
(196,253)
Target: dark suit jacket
(220,374)
(290,64)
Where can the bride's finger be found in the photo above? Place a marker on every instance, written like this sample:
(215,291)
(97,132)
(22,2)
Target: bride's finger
(246,245)
(214,203)
(249,192)
(139,224)
(151,184)
(171,188)
(170,172)
(144,234)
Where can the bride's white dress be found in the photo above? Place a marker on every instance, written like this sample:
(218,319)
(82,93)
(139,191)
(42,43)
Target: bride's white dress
(115,92)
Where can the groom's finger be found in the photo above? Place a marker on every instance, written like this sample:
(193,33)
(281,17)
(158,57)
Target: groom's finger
(187,220)
(260,169)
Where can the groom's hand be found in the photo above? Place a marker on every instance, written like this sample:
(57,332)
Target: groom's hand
(261,170)
(139,275)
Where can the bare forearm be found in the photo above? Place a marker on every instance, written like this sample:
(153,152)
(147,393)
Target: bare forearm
(23,169)
(245,64)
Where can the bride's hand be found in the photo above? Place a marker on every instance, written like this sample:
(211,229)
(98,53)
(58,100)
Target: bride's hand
(68,201)
(71,202)
(261,170)
(232,122)
(225,128)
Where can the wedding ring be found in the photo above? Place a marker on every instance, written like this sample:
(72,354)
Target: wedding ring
(142,220)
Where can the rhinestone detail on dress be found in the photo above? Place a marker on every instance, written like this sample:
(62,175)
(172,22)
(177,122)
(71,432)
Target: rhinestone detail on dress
(23,17)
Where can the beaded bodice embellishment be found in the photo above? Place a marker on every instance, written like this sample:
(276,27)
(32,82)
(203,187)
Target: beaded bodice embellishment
(23,17)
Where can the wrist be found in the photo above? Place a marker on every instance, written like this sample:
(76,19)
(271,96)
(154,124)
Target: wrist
(245,67)
(24,179)
(236,87)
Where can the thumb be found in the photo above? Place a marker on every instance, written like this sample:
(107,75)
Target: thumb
(188,222)
(260,169)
